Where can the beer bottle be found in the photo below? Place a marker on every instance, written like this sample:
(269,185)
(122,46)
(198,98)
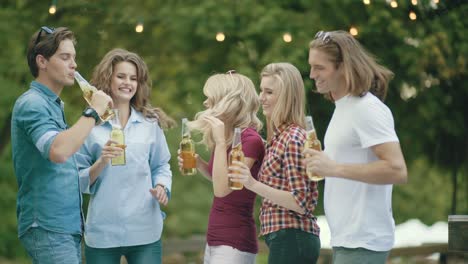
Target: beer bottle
(117,135)
(88,91)
(312,142)
(187,148)
(236,154)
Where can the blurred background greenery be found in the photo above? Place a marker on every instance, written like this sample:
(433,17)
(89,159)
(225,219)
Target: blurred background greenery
(425,42)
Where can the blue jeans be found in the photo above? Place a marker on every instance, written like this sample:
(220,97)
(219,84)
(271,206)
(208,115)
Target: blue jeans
(141,254)
(47,247)
(290,245)
(342,255)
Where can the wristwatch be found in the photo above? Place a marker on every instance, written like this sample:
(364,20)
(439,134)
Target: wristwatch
(90,112)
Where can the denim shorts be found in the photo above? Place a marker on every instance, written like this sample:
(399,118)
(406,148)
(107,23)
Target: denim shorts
(227,255)
(47,247)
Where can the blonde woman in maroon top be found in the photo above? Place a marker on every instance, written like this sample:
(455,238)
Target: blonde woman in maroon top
(289,196)
(231,102)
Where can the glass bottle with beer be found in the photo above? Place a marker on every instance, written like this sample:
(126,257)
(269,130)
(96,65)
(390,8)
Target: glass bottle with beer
(88,91)
(312,142)
(118,136)
(187,151)
(236,154)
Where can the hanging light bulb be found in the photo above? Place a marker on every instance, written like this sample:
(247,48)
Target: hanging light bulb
(353,31)
(52,9)
(287,37)
(414,2)
(220,36)
(412,15)
(366,2)
(436,1)
(394,4)
(139,27)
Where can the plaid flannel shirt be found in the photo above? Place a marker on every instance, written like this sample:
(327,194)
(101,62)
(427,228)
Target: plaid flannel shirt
(282,169)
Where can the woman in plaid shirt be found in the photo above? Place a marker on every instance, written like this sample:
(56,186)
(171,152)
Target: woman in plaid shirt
(286,216)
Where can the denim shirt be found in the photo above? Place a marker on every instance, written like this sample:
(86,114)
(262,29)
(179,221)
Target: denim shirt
(48,192)
(122,211)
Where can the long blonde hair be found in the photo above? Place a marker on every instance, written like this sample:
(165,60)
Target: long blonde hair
(290,106)
(232,98)
(362,73)
(102,77)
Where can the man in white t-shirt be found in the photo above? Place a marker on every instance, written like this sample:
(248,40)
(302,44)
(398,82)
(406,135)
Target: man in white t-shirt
(362,158)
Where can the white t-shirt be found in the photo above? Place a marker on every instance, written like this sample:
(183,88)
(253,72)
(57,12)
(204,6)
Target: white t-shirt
(359,214)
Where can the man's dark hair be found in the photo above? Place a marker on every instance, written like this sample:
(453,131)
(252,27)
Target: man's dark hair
(45,42)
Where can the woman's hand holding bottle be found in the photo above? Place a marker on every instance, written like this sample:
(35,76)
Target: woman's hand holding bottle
(111,150)
(239,172)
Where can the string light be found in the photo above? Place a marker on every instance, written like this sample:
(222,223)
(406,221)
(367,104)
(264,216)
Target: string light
(220,37)
(353,31)
(139,27)
(366,2)
(436,1)
(412,15)
(394,4)
(287,37)
(414,2)
(53,7)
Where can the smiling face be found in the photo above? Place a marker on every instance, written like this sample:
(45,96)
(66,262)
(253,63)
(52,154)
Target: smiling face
(269,94)
(124,82)
(328,77)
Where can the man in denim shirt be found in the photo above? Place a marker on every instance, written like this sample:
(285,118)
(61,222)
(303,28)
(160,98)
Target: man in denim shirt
(49,201)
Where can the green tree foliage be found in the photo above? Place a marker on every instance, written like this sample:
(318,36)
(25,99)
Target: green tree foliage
(178,43)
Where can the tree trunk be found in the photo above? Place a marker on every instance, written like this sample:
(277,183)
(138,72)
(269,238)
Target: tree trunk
(466,193)
(6,134)
(454,193)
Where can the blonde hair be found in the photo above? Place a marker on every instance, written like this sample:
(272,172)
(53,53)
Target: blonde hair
(232,99)
(290,107)
(362,73)
(102,77)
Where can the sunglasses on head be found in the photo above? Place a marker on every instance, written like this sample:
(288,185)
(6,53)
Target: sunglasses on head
(46,30)
(323,36)
(326,38)
(231,72)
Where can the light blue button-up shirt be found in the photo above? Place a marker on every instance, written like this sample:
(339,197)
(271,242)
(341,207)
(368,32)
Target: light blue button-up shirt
(122,211)
(48,192)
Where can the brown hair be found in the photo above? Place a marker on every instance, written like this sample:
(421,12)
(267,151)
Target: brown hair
(46,45)
(362,73)
(102,77)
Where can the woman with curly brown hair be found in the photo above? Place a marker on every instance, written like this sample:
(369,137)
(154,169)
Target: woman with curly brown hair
(124,216)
